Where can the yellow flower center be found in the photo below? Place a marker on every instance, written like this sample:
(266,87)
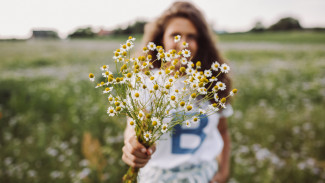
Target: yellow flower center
(172,97)
(182,103)
(189,107)
(136,94)
(154,123)
(155,87)
(91,75)
(118,108)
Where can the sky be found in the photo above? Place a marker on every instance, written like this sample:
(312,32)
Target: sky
(19,17)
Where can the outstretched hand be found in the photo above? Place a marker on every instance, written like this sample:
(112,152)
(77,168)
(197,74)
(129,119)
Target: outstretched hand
(135,154)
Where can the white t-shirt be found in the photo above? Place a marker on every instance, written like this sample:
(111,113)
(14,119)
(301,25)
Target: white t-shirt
(189,145)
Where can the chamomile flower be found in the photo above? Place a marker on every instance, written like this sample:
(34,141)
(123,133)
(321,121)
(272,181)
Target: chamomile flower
(202,90)
(186,53)
(188,123)
(141,115)
(215,66)
(232,93)
(104,68)
(106,74)
(224,68)
(184,61)
(147,135)
(111,111)
(132,123)
(92,77)
(195,119)
(189,71)
(194,85)
(213,107)
(185,44)
(164,128)
(135,94)
(129,44)
(110,99)
(108,89)
(201,111)
(131,38)
(216,97)
(155,122)
(221,85)
(151,46)
(177,38)
(207,73)
(188,108)
(213,78)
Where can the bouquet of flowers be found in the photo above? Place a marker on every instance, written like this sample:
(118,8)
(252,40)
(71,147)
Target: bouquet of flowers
(178,90)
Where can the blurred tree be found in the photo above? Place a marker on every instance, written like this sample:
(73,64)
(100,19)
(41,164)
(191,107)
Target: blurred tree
(135,28)
(83,33)
(258,27)
(287,23)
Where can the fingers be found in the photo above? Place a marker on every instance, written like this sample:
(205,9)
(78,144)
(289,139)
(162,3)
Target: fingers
(135,154)
(151,150)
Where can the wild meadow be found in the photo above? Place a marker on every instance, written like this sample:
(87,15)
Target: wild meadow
(54,126)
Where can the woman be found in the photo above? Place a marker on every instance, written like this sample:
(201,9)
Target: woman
(185,155)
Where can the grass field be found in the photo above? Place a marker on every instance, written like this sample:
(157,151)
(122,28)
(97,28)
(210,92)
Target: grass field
(54,126)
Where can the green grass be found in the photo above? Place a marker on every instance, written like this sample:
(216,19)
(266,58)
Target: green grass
(48,106)
(295,37)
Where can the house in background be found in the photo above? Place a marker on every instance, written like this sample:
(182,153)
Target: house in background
(102,32)
(44,34)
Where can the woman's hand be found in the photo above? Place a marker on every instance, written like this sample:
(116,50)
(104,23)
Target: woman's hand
(135,154)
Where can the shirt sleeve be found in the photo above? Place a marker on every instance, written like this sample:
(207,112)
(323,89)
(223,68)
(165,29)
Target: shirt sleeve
(226,112)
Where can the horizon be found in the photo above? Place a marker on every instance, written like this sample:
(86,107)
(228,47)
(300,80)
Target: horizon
(18,20)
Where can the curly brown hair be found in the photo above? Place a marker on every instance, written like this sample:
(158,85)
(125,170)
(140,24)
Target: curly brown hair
(207,50)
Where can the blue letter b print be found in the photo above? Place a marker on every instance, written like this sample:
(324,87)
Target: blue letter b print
(176,137)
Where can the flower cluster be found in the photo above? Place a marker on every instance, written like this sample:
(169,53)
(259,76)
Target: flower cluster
(177,90)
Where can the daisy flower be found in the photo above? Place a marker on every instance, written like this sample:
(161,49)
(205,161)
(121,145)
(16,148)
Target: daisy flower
(216,97)
(183,61)
(202,90)
(207,73)
(185,44)
(215,66)
(131,38)
(195,119)
(135,94)
(188,123)
(91,77)
(104,68)
(164,128)
(132,123)
(221,85)
(186,53)
(111,111)
(110,99)
(188,108)
(201,111)
(151,46)
(147,135)
(224,68)
(141,115)
(177,38)
(108,89)
(155,122)
(129,44)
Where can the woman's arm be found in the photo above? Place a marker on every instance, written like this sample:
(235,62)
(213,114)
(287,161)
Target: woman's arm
(224,158)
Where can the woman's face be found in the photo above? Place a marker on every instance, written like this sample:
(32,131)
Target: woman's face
(185,28)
